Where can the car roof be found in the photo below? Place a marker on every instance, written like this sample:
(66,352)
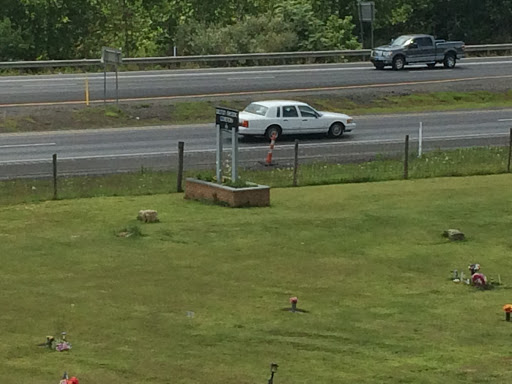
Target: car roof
(277,103)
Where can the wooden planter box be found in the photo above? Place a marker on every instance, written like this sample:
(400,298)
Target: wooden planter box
(256,196)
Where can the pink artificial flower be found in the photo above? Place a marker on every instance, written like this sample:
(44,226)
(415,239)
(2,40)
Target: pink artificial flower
(293,300)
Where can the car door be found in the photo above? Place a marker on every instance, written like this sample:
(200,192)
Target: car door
(426,49)
(413,51)
(310,123)
(290,122)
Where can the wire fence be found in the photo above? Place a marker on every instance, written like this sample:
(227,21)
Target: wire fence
(292,164)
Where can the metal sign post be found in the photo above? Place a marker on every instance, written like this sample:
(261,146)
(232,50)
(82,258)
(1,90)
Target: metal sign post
(218,160)
(366,13)
(227,119)
(114,57)
(234,153)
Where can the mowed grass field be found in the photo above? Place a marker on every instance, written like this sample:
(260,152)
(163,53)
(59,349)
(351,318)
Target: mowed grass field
(367,261)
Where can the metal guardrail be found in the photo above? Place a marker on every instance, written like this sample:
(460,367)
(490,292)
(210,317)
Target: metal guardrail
(228,58)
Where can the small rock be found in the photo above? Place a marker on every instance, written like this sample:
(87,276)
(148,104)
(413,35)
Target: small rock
(454,235)
(148,216)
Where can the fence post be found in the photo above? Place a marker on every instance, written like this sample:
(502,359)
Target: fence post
(55,176)
(509,150)
(406,157)
(181,146)
(296,163)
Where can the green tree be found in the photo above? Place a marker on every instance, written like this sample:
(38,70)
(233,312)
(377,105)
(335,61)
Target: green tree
(12,43)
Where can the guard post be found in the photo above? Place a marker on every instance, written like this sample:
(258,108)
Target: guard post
(226,120)
(113,57)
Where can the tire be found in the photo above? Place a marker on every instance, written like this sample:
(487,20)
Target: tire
(398,63)
(270,131)
(379,66)
(336,130)
(449,61)
(431,65)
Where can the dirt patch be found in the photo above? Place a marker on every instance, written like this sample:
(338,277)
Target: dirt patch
(56,118)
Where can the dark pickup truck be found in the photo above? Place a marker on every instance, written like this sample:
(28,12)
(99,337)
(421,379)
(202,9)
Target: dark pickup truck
(416,49)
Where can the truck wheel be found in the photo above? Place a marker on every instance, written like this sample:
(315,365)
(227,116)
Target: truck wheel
(449,60)
(379,66)
(431,65)
(398,63)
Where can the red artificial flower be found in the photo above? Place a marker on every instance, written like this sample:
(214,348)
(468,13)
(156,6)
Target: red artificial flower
(293,300)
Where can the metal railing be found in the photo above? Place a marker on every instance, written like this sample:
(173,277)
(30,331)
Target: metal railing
(362,53)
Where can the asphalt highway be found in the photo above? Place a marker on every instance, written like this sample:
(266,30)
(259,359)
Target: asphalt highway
(158,85)
(129,149)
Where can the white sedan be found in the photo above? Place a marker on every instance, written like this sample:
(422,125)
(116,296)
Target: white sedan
(282,117)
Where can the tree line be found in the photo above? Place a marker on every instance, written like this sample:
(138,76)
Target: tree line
(72,29)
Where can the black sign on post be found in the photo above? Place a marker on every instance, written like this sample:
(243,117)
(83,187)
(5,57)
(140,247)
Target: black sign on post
(114,57)
(366,13)
(226,118)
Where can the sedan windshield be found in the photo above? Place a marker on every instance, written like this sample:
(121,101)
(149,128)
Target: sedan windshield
(257,109)
(400,41)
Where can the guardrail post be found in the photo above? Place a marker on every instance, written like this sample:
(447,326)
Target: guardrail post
(509,150)
(181,146)
(406,158)
(54,176)
(296,163)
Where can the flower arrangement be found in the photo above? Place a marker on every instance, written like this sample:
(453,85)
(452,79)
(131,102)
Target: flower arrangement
(508,309)
(59,345)
(293,301)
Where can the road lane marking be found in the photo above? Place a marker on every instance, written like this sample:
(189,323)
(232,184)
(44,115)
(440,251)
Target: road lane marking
(128,75)
(505,120)
(281,91)
(251,78)
(261,147)
(27,145)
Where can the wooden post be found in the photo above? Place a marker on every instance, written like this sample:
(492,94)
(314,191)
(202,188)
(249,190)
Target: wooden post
(87,91)
(296,163)
(55,176)
(181,146)
(509,150)
(406,158)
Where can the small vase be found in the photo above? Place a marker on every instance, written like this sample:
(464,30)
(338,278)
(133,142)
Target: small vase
(294,306)
(507,316)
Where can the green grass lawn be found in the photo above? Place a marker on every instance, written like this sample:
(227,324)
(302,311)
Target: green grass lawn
(366,260)
(195,112)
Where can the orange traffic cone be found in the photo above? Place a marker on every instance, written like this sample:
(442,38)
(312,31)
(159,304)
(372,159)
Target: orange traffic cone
(268,160)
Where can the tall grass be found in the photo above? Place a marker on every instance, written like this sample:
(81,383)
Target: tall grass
(459,162)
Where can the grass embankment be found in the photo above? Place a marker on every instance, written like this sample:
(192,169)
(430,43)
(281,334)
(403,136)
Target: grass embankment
(366,260)
(202,111)
(461,162)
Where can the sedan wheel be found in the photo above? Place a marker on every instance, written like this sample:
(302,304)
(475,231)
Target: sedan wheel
(336,130)
(271,131)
